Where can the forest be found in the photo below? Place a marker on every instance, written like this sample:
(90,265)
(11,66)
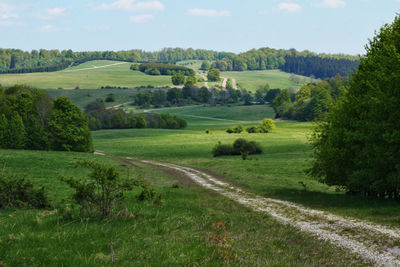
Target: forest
(304,63)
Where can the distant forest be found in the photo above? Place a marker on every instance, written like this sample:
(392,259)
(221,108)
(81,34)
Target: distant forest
(303,63)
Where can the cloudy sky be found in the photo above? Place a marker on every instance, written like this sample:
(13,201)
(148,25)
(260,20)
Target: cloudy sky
(329,26)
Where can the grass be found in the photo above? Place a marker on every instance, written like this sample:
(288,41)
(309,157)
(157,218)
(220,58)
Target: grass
(277,173)
(251,80)
(192,227)
(87,77)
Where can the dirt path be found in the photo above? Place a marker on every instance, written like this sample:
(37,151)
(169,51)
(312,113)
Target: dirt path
(375,243)
(97,67)
(224,83)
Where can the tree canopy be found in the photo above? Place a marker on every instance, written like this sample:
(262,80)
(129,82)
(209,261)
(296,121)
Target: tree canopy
(357,147)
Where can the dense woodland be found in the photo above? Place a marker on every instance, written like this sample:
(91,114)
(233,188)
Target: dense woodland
(304,63)
(101,118)
(165,69)
(30,119)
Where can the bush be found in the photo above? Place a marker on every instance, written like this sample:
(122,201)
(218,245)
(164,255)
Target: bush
(239,147)
(222,150)
(253,129)
(110,98)
(15,191)
(235,129)
(102,192)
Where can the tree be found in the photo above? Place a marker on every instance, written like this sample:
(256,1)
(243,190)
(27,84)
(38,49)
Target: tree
(205,65)
(178,78)
(13,61)
(174,95)
(204,95)
(4,131)
(68,127)
(357,147)
(17,133)
(213,75)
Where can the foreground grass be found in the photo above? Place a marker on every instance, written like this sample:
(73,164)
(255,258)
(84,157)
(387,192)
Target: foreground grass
(87,77)
(192,227)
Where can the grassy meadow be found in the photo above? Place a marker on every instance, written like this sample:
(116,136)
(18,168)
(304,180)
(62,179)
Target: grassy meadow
(251,80)
(89,75)
(193,226)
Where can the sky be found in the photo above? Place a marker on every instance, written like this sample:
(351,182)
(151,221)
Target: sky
(322,26)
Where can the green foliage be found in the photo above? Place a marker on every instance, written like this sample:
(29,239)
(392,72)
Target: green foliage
(235,129)
(103,193)
(16,133)
(178,78)
(267,125)
(239,147)
(110,98)
(149,194)
(357,147)
(134,67)
(68,127)
(16,191)
(165,69)
(205,65)
(213,75)
(4,132)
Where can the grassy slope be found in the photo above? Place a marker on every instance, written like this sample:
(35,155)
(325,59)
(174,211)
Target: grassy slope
(116,75)
(250,80)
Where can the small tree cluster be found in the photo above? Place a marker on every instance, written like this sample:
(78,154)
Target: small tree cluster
(266,126)
(29,119)
(235,129)
(165,69)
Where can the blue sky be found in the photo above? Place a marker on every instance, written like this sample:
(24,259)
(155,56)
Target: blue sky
(324,26)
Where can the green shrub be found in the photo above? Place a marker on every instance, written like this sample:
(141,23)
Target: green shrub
(253,129)
(102,192)
(15,191)
(266,126)
(239,147)
(222,150)
(110,98)
(235,129)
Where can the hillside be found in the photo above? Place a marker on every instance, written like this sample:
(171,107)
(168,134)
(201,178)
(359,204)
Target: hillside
(89,75)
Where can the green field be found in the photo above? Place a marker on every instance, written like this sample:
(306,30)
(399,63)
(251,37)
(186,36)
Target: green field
(251,80)
(89,75)
(182,231)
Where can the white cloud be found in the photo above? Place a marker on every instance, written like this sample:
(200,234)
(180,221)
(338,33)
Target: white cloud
(131,5)
(48,28)
(208,12)
(57,11)
(331,3)
(141,18)
(290,7)
(51,13)
(7,12)
(102,28)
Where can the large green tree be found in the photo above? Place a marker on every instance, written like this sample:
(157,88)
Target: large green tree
(213,75)
(358,147)
(68,127)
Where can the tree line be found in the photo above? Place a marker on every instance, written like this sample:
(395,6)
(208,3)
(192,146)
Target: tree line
(101,118)
(304,63)
(30,119)
(164,69)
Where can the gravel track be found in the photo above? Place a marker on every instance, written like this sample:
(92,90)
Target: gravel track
(375,243)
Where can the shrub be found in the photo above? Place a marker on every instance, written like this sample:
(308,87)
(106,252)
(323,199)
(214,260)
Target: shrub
(222,150)
(235,129)
(110,98)
(102,192)
(18,192)
(240,147)
(253,129)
